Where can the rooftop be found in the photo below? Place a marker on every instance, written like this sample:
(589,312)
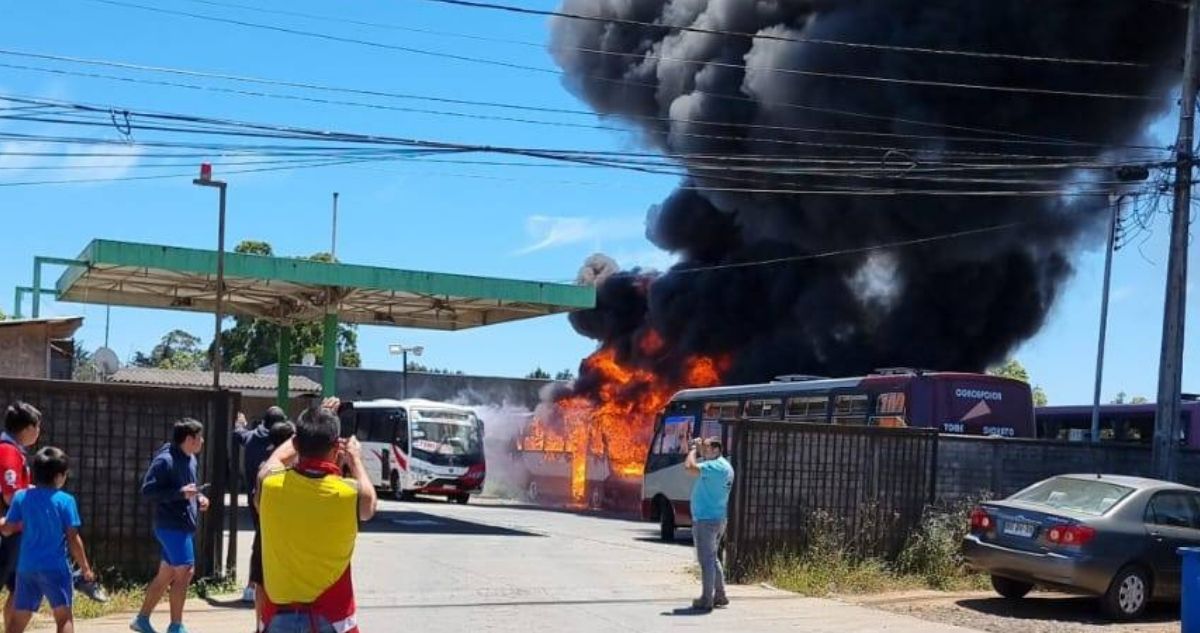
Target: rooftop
(203,380)
(292,290)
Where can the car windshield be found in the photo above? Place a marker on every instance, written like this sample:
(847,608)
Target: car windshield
(1087,496)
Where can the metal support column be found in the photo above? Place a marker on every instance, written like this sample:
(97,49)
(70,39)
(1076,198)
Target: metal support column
(329,355)
(36,290)
(284,367)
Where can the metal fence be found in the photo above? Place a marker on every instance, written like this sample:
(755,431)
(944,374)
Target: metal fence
(864,487)
(110,432)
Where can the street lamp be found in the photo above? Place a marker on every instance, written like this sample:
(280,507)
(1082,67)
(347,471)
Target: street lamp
(206,180)
(1126,173)
(402,351)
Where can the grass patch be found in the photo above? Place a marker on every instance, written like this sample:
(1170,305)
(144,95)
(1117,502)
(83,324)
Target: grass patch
(930,559)
(127,598)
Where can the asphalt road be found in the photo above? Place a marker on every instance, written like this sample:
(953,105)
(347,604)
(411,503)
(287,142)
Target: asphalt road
(434,567)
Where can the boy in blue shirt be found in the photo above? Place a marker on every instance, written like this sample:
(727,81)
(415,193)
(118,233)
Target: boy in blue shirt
(49,520)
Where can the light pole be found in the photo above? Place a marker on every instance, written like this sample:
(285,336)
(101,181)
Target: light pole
(1124,174)
(402,352)
(205,180)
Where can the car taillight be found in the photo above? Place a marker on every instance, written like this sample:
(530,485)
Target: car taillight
(981,521)
(1071,535)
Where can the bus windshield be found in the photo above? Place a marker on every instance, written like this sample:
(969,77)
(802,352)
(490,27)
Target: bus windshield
(435,440)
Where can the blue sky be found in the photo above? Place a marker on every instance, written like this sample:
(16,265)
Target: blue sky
(501,221)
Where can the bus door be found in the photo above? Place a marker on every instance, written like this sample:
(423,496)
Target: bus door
(376,431)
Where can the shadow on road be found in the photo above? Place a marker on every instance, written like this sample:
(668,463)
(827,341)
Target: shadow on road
(1079,610)
(654,538)
(408,522)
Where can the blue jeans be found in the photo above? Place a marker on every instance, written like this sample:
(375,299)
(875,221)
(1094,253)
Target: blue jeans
(707,536)
(299,623)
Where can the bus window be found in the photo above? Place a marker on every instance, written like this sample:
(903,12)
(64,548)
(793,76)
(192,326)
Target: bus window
(676,435)
(808,408)
(850,409)
(764,409)
(890,410)
(720,410)
(402,430)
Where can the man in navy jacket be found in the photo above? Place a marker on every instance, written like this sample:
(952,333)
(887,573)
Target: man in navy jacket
(170,483)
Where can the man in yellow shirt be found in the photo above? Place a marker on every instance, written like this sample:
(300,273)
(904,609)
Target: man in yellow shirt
(309,516)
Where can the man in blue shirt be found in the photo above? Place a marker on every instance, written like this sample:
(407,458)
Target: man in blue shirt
(710,501)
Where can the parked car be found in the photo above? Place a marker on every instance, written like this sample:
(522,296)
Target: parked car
(1107,536)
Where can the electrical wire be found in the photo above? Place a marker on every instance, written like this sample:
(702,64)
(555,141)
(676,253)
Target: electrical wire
(1033,139)
(538,69)
(793,40)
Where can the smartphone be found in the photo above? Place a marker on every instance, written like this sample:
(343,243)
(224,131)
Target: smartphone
(203,487)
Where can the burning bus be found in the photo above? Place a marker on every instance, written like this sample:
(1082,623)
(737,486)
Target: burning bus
(956,403)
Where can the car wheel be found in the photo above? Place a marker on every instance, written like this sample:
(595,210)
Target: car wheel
(532,492)
(1128,594)
(462,499)
(666,520)
(1011,589)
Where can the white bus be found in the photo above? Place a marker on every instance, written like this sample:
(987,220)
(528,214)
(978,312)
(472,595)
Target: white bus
(413,447)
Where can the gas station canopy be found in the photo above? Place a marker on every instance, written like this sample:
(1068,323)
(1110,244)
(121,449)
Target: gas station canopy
(289,290)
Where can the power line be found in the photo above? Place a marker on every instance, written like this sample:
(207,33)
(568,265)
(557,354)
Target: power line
(1032,138)
(515,66)
(793,40)
(615,128)
(850,251)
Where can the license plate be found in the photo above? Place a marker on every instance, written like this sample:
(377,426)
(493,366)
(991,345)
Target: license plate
(1019,529)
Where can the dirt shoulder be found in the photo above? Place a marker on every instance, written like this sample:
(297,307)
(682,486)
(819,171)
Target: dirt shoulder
(1037,613)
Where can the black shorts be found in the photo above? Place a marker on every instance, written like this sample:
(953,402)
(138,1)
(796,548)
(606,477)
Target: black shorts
(9,547)
(256,565)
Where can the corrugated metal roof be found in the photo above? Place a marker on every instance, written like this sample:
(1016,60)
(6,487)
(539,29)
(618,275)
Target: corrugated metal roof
(229,380)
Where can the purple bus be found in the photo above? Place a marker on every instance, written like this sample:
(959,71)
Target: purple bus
(1132,423)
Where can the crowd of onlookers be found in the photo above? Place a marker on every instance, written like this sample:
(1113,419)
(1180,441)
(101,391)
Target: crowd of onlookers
(306,517)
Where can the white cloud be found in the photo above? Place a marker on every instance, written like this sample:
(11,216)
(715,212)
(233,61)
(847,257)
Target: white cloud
(648,259)
(548,231)
(122,159)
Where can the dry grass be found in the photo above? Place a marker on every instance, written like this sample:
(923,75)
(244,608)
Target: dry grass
(123,600)
(930,560)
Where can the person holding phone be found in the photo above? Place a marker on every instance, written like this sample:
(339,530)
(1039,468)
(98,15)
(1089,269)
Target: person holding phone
(170,483)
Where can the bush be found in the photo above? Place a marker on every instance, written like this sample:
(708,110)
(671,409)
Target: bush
(828,564)
(933,553)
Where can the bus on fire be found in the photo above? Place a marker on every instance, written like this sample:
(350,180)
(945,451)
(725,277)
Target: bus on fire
(959,403)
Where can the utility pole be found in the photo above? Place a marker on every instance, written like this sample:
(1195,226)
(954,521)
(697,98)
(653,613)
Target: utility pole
(1170,368)
(333,245)
(1113,220)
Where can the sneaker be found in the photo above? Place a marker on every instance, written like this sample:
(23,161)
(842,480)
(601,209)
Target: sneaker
(248,594)
(720,602)
(702,606)
(141,624)
(177,627)
(92,590)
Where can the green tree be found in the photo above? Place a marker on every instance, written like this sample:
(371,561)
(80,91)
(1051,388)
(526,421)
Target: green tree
(1012,368)
(1139,400)
(565,375)
(177,350)
(538,374)
(84,369)
(254,343)
(1123,398)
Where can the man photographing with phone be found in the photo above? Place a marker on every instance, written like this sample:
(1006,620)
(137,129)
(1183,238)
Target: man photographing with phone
(710,501)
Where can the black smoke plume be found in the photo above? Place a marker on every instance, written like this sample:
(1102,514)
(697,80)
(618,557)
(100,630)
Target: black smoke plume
(735,115)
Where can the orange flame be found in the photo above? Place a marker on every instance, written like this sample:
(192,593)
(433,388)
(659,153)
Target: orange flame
(619,424)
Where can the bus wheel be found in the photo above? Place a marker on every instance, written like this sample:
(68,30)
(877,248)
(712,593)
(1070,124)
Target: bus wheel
(397,493)
(666,520)
(462,499)
(532,491)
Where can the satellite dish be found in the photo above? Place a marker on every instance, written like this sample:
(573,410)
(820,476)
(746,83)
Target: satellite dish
(309,359)
(106,361)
